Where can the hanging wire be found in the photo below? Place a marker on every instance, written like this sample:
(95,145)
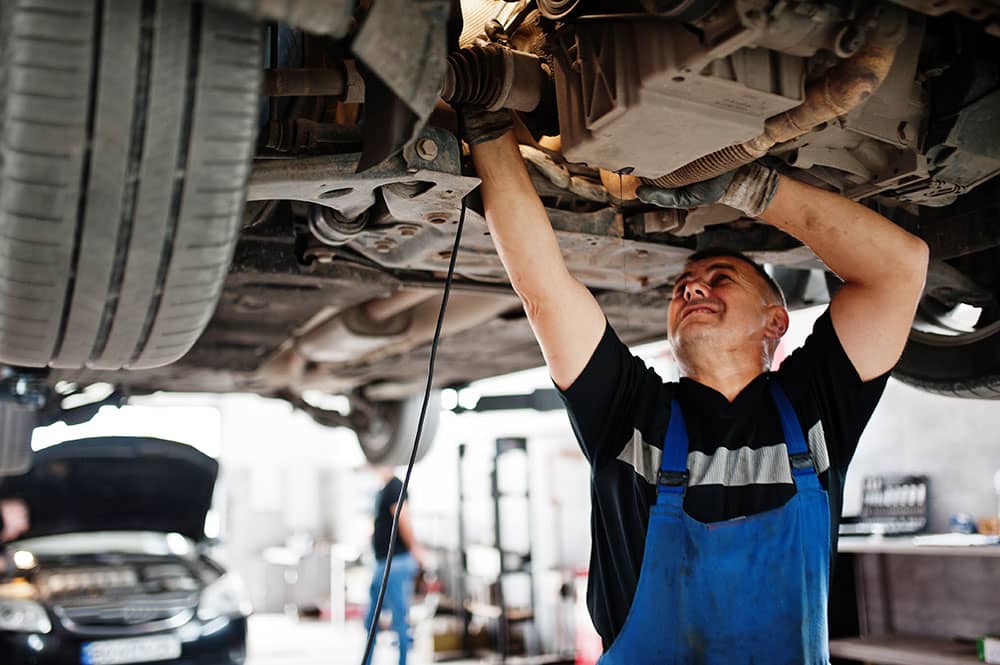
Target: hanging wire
(372,630)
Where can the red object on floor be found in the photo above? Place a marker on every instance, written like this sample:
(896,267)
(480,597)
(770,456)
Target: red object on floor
(355,611)
(588,642)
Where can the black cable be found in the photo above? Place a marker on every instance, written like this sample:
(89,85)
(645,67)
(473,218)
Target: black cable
(416,441)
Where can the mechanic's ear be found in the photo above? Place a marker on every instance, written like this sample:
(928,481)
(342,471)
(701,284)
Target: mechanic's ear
(777,322)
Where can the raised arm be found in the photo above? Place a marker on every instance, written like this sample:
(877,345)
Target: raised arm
(883,268)
(565,317)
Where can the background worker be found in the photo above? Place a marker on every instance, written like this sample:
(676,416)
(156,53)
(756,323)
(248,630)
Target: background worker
(724,489)
(408,557)
(14,519)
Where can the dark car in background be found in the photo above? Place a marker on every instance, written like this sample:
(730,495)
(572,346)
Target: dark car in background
(113,569)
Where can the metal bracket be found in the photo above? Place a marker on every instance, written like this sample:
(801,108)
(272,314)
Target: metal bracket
(420,185)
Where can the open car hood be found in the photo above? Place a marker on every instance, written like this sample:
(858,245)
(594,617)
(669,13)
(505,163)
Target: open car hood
(118,483)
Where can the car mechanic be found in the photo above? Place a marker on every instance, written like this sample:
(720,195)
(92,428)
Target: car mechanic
(715,499)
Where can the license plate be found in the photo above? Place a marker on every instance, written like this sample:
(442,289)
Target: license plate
(130,650)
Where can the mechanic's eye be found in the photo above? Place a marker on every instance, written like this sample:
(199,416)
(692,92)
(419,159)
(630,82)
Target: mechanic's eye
(720,279)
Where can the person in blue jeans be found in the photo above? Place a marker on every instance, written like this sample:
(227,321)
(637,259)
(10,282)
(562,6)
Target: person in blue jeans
(406,560)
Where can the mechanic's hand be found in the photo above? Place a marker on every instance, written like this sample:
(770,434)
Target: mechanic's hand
(479,125)
(748,189)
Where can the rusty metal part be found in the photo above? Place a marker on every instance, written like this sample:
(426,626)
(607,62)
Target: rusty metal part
(303,136)
(303,83)
(343,82)
(494,77)
(840,90)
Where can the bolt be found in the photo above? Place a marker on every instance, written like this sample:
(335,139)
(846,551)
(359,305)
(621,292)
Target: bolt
(407,230)
(641,253)
(427,150)
(383,246)
(438,220)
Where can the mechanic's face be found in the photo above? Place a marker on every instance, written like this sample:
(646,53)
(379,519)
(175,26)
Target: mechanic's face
(724,303)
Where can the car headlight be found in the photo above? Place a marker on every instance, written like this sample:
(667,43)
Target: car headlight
(225,597)
(23,616)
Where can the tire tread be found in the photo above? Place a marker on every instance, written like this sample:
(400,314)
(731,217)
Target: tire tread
(122,249)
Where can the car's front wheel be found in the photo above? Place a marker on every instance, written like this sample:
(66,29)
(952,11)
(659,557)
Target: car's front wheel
(954,346)
(959,364)
(127,132)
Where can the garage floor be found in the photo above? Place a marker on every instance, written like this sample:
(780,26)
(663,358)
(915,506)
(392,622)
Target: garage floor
(275,639)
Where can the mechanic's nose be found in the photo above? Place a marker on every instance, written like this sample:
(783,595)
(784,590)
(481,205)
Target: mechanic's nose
(694,289)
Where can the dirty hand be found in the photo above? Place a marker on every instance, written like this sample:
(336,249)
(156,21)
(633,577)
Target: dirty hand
(748,189)
(479,125)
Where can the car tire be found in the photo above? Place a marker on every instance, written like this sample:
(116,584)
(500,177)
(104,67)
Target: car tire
(17,422)
(965,366)
(128,129)
(388,439)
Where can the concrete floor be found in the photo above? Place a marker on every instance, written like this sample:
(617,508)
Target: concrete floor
(275,639)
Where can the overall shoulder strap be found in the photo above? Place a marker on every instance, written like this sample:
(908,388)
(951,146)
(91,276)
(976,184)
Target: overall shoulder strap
(798,450)
(673,475)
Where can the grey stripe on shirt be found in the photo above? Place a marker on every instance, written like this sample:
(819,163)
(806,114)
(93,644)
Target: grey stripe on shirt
(731,468)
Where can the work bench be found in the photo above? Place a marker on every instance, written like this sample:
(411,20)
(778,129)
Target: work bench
(920,604)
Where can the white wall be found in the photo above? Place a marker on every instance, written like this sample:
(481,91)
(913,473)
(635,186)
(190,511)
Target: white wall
(954,441)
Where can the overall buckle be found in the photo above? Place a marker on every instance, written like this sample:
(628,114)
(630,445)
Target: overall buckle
(801,462)
(672,478)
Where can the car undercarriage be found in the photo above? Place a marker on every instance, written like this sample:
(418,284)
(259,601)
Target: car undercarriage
(328,280)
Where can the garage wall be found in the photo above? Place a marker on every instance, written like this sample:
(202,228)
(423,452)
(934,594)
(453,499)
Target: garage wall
(290,489)
(954,441)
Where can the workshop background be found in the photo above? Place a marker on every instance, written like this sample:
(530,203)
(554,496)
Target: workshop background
(293,510)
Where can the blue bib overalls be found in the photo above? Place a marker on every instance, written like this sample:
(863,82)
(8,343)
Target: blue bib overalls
(748,590)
